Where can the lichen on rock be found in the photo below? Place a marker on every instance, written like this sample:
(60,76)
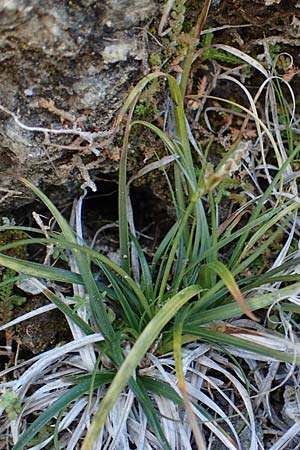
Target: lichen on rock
(82,56)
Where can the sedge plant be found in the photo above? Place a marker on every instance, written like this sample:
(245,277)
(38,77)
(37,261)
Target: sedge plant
(143,333)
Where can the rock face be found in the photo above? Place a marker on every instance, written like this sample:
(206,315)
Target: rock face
(64,65)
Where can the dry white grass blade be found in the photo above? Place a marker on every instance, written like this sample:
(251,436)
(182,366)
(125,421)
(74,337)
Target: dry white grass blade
(17,366)
(220,414)
(267,83)
(274,342)
(252,175)
(148,439)
(65,422)
(288,195)
(90,411)
(221,109)
(208,362)
(197,377)
(29,315)
(223,361)
(50,390)
(289,88)
(80,430)
(255,117)
(275,127)
(153,166)
(239,54)
(118,418)
(193,140)
(74,413)
(100,230)
(244,354)
(198,396)
(190,355)
(212,383)
(246,92)
(270,339)
(42,444)
(61,371)
(288,436)
(167,9)
(44,396)
(46,359)
(177,436)
(272,105)
(142,438)
(147,169)
(87,353)
(264,383)
(137,429)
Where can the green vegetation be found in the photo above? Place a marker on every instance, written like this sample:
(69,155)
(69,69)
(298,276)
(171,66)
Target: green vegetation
(177,288)
(10,402)
(144,331)
(8,299)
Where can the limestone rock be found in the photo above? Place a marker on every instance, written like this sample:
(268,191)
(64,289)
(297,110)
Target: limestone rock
(64,65)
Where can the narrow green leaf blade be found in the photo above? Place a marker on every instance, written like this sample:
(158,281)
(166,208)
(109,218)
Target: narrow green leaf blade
(136,354)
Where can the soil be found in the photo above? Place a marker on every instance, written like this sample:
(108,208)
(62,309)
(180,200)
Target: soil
(41,332)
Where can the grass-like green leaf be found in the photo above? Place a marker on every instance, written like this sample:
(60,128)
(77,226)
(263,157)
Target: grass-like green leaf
(59,405)
(147,337)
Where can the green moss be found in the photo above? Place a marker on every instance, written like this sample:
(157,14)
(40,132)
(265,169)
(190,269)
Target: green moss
(8,298)
(154,59)
(9,236)
(144,110)
(208,52)
(10,402)
(42,435)
(228,188)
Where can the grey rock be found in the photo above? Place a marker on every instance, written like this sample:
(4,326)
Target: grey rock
(78,56)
